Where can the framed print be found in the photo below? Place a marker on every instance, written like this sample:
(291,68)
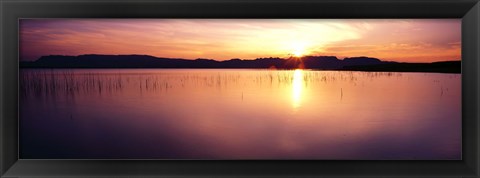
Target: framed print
(239,88)
(210,92)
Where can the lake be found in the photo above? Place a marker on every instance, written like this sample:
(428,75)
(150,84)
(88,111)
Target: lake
(238,114)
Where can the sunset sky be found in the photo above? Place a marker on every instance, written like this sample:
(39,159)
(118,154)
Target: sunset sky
(414,40)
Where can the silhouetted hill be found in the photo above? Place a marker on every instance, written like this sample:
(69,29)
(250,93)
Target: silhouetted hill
(443,67)
(307,62)
(362,61)
(145,61)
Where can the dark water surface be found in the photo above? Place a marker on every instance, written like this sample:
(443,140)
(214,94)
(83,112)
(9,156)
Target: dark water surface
(238,114)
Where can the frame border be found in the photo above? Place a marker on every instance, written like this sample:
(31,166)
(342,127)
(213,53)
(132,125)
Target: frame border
(12,10)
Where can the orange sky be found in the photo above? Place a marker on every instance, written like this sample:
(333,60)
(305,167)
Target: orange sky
(405,40)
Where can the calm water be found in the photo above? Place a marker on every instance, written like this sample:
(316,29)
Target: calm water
(239,114)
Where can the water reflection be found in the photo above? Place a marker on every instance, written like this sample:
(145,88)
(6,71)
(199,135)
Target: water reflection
(238,114)
(297,88)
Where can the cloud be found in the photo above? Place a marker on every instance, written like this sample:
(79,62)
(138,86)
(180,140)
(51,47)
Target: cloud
(239,38)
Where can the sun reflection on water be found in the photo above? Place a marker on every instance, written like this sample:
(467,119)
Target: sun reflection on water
(297,88)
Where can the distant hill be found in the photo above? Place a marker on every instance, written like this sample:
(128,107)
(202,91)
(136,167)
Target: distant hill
(443,67)
(307,62)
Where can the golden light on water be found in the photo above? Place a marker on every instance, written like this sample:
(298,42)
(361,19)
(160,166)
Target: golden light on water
(297,88)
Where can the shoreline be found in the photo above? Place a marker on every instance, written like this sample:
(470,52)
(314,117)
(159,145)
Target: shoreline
(339,70)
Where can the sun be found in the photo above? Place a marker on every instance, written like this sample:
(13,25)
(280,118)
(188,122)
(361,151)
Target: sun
(298,49)
(297,53)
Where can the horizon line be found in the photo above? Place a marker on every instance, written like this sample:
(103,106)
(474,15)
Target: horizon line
(200,58)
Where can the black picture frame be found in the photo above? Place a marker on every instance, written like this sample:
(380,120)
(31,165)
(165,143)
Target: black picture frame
(12,10)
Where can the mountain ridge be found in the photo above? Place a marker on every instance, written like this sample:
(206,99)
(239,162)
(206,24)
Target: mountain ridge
(361,63)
